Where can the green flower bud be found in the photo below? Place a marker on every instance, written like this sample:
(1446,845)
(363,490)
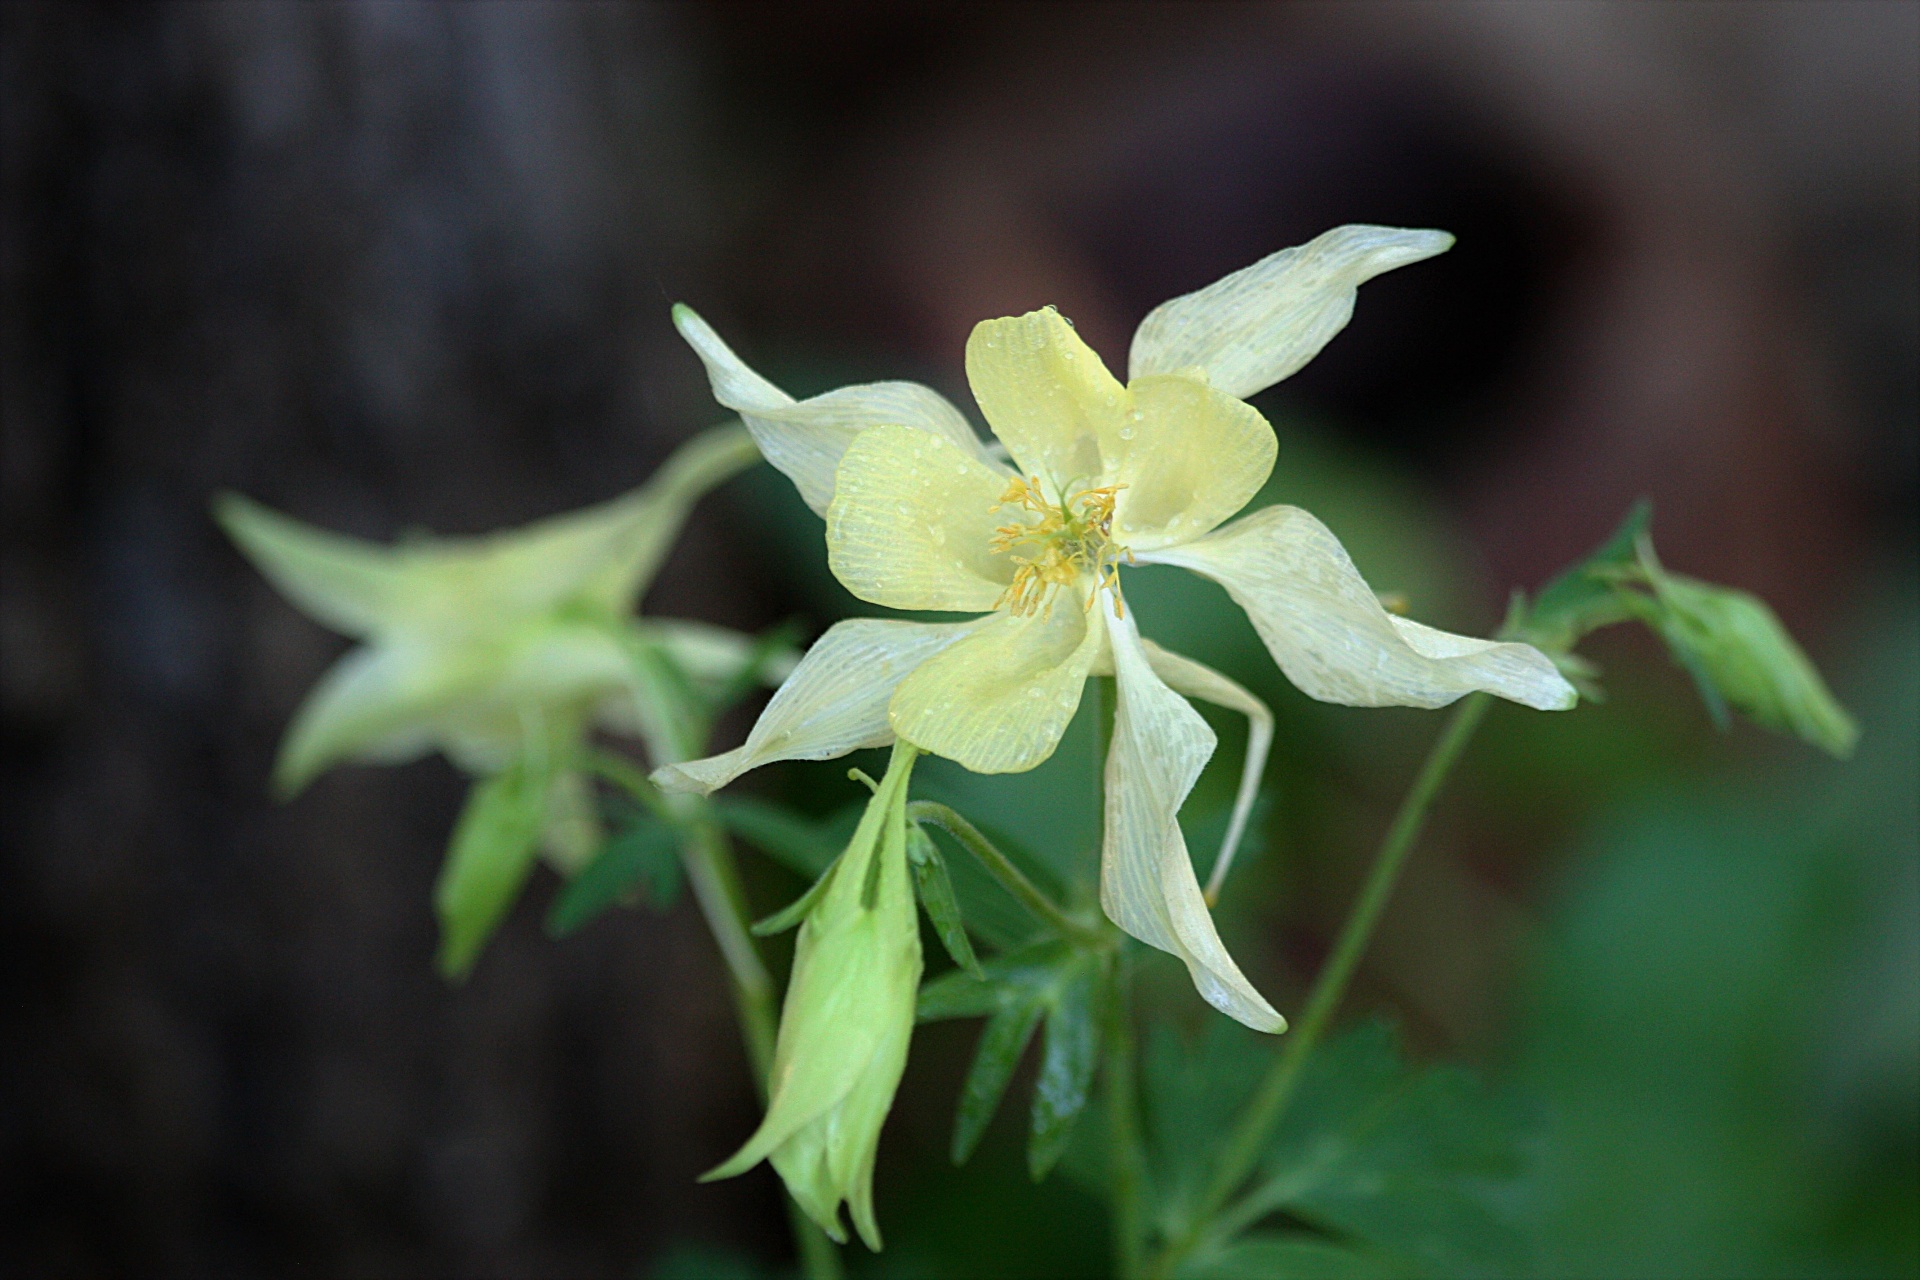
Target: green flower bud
(1738,650)
(848,1017)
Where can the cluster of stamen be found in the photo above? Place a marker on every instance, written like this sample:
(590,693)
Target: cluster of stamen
(1072,537)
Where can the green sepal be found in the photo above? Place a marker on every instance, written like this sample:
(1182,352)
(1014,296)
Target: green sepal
(794,912)
(936,897)
(492,851)
(644,855)
(1001,1045)
(1066,1068)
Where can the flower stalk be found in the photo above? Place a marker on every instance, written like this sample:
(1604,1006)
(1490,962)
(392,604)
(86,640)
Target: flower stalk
(1255,1126)
(1011,878)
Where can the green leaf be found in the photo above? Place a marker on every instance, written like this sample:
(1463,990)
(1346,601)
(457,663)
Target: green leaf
(644,855)
(936,895)
(1739,652)
(800,844)
(1277,1256)
(1586,597)
(1066,1067)
(1051,980)
(1414,1161)
(1011,977)
(1001,1045)
(1192,1094)
(794,912)
(487,862)
(1414,1165)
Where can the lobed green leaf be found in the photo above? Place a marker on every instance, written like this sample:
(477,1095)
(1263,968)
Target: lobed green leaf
(1066,1067)
(643,856)
(1586,597)
(1272,1255)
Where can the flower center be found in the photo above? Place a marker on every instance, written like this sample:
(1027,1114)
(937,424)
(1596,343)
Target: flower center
(1072,538)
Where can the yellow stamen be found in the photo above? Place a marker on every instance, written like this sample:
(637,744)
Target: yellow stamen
(1071,538)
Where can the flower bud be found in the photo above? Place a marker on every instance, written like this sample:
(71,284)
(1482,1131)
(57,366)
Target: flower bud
(1739,650)
(845,1026)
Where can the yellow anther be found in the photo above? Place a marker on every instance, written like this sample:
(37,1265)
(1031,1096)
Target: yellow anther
(1071,538)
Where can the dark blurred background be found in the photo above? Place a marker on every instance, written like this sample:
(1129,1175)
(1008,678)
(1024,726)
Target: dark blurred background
(399,265)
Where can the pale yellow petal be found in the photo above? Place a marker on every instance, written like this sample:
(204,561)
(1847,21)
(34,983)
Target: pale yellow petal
(1262,323)
(1328,632)
(376,703)
(911,521)
(834,702)
(805,438)
(1189,456)
(348,584)
(1147,884)
(1197,680)
(658,509)
(998,700)
(1047,396)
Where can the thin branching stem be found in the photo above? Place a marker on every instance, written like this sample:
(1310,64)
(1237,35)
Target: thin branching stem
(1126,1149)
(1011,878)
(1255,1127)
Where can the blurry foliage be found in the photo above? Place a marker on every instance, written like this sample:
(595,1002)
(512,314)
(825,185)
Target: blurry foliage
(1725,1031)
(1716,1075)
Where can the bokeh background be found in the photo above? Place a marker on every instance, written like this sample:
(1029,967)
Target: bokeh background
(398,265)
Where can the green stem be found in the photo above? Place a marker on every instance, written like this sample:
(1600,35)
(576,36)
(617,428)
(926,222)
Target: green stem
(1126,1152)
(716,886)
(1256,1124)
(1011,878)
(715,877)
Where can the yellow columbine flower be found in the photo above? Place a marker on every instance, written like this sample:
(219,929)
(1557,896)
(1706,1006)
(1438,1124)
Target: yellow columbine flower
(921,515)
(495,648)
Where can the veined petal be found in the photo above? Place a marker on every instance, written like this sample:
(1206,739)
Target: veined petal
(911,520)
(1328,632)
(1147,885)
(604,555)
(346,583)
(1047,396)
(834,702)
(659,508)
(998,700)
(1197,680)
(1262,323)
(377,702)
(805,438)
(1189,455)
